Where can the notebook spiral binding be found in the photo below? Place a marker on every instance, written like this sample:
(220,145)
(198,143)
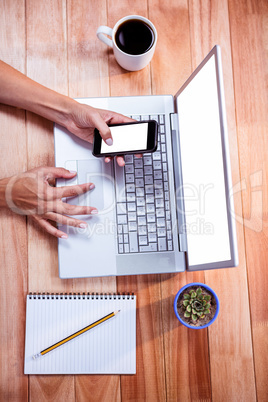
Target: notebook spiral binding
(79,296)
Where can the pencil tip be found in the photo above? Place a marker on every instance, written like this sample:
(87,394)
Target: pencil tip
(118,311)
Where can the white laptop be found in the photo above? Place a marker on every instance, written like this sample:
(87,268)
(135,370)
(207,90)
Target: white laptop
(169,211)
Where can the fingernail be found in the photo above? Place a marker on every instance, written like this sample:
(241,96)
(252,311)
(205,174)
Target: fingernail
(83,225)
(94,211)
(72,171)
(64,236)
(91,186)
(109,141)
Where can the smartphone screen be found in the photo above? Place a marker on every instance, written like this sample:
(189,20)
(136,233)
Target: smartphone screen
(134,137)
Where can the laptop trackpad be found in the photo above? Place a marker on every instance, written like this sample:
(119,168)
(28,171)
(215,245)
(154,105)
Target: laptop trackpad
(90,171)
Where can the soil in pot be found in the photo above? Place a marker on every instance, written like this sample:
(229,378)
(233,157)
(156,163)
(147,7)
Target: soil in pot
(200,321)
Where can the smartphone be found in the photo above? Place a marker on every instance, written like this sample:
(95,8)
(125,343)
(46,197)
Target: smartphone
(128,138)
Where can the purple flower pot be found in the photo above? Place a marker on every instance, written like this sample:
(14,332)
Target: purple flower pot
(207,288)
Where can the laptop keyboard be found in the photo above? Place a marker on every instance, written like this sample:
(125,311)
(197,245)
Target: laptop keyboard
(143,201)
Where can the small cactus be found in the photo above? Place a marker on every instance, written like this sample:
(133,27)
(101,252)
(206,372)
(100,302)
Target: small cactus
(196,304)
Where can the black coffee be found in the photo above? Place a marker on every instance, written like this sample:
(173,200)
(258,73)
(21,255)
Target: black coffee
(134,37)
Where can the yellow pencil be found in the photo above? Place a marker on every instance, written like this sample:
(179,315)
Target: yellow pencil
(81,331)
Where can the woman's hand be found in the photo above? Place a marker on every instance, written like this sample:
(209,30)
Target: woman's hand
(83,119)
(30,193)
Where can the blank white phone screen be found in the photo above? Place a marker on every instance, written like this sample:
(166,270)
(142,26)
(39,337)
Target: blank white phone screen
(127,138)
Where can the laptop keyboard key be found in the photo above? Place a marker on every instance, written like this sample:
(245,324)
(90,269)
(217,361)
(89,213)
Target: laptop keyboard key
(152,247)
(143,240)
(121,219)
(121,208)
(132,226)
(162,244)
(126,248)
(129,178)
(128,158)
(170,245)
(133,242)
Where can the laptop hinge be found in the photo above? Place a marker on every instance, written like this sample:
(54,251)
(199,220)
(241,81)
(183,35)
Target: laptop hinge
(178,181)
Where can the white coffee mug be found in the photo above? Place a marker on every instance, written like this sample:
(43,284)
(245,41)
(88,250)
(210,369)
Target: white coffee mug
(131,62)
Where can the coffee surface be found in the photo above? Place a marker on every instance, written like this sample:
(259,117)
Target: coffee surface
(134,37)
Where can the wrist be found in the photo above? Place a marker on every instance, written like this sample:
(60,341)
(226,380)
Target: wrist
(62,111)
(51,105)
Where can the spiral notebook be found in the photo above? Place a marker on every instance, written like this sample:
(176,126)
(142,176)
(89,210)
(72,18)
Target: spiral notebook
(108,348)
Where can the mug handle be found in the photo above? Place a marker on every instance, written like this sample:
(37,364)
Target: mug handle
(105,30)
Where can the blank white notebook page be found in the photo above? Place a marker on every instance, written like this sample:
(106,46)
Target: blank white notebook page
(108,348)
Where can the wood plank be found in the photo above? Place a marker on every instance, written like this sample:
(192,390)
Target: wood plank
(249,40)
(13,235)
(171,67)
(171,64)
(96,388)
(88,70)
(89,77)
(46,64)
(149,381)
(209,25)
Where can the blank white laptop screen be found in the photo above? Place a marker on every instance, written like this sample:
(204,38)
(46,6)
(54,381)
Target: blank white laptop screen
(202,169)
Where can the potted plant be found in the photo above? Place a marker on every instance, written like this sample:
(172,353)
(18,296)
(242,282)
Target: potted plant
(196,305)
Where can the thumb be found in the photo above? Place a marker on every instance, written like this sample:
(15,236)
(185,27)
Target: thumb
(104,130)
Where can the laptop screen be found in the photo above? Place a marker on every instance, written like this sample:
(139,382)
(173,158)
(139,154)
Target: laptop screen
(204,167)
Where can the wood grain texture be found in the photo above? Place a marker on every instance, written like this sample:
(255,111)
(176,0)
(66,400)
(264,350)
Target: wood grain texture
(249,39)
(88,70)
(46,64)
(171,64)
(13,235)
(149,382)
(209,26)
(91,388)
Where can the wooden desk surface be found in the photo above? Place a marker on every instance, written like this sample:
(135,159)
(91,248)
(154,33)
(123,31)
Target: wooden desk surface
(54,42)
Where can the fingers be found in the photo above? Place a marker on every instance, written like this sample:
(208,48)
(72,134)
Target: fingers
(65,220)
(56,173)
(73,191)
(61,219)
(120,160)
(117,118)
(48,227)
(68,209)
(110,118)
(104,130)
